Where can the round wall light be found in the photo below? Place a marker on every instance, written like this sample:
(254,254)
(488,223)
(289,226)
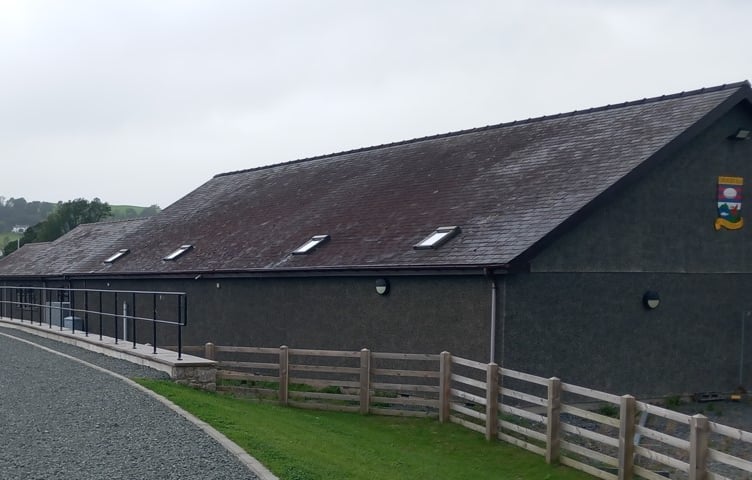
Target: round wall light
(382,286)
(651,299)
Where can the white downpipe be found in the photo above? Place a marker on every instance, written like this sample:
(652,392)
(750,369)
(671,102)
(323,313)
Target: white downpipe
(493,320)
(741,351)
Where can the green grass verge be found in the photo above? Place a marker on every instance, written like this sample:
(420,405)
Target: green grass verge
(306,445)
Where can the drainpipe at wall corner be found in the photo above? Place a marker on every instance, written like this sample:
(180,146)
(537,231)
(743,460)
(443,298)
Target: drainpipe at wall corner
(745,315)
(492,334)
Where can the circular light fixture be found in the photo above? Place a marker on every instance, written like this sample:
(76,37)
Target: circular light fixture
(382,286)
(651,299)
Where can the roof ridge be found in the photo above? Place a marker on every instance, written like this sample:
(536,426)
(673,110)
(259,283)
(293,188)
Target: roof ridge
(572,113)
(117,220)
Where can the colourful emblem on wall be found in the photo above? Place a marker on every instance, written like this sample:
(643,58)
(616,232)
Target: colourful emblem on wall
(729,203)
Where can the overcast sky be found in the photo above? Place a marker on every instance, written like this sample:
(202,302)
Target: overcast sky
(139,102)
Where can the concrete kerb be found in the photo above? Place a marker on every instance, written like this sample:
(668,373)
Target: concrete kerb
(191,370)
(251,463)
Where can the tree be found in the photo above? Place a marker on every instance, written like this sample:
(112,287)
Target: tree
(62,220)
(150,210)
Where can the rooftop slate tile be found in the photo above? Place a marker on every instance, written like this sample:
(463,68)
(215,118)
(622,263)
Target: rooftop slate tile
(506,186)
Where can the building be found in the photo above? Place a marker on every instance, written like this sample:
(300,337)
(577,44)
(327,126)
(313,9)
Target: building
(541,244)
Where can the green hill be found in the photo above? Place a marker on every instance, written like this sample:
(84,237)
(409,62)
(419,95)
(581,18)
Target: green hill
(19,212)
(132,211)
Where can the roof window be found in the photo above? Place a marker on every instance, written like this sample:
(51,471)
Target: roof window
(117,256)
(314,242)
(181,250)
(437,238)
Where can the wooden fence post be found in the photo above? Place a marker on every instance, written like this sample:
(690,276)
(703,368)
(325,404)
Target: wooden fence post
(698,447)
(627,414)
(365,381)
(492,401)
(284,375)
(500,389)
(553,411)
(445,385)
(210,351)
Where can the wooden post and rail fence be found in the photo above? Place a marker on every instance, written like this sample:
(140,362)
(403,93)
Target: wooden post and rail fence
(608,436)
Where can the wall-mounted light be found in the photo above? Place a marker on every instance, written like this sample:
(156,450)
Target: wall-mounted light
(741,134)
(382,286)
(651,299)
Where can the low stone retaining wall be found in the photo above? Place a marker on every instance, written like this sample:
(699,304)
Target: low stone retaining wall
(190,370)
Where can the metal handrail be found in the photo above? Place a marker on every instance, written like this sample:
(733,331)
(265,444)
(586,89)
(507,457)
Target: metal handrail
(25,298)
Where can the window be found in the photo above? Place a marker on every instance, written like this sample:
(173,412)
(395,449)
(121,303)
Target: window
(26,298)
(118,255)
(181,250)
(315,241)
(437,238)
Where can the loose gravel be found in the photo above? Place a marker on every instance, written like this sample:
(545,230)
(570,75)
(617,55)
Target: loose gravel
(60,419)
(122,367)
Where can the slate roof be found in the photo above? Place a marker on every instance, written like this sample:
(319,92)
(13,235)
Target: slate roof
(25,260)
(82,250)
(509,187)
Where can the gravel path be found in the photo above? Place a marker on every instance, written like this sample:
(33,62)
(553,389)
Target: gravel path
(60,419)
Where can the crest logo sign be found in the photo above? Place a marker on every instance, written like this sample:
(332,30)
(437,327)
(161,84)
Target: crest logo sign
(729,203)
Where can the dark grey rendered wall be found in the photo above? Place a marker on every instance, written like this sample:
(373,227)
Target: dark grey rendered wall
(578,314)
(421,314)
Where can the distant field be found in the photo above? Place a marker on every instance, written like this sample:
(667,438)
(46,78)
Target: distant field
(124,210)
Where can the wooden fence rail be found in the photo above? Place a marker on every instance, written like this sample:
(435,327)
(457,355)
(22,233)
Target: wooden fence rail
(608,436)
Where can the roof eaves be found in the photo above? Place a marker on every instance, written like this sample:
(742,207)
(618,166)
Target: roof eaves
(357,270)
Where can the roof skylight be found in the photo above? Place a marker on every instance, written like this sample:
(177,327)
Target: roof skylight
(315,241)
(178,252)
(437,238)
(118,255)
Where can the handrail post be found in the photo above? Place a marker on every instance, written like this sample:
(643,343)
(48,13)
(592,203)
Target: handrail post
(72,295)
(116,317)
(365,381)
(445,385)
(154,324)
(60,309)
(492,401)
(86,313)
(553,420)
(284,378)
(41,302)
(627,414)
(698,447)
(133,319)
(100,316)
(180,327)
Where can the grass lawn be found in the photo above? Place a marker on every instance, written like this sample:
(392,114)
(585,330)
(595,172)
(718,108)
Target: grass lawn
(304,444)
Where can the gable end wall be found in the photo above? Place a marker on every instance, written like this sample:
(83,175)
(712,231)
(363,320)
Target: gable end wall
(579,315)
